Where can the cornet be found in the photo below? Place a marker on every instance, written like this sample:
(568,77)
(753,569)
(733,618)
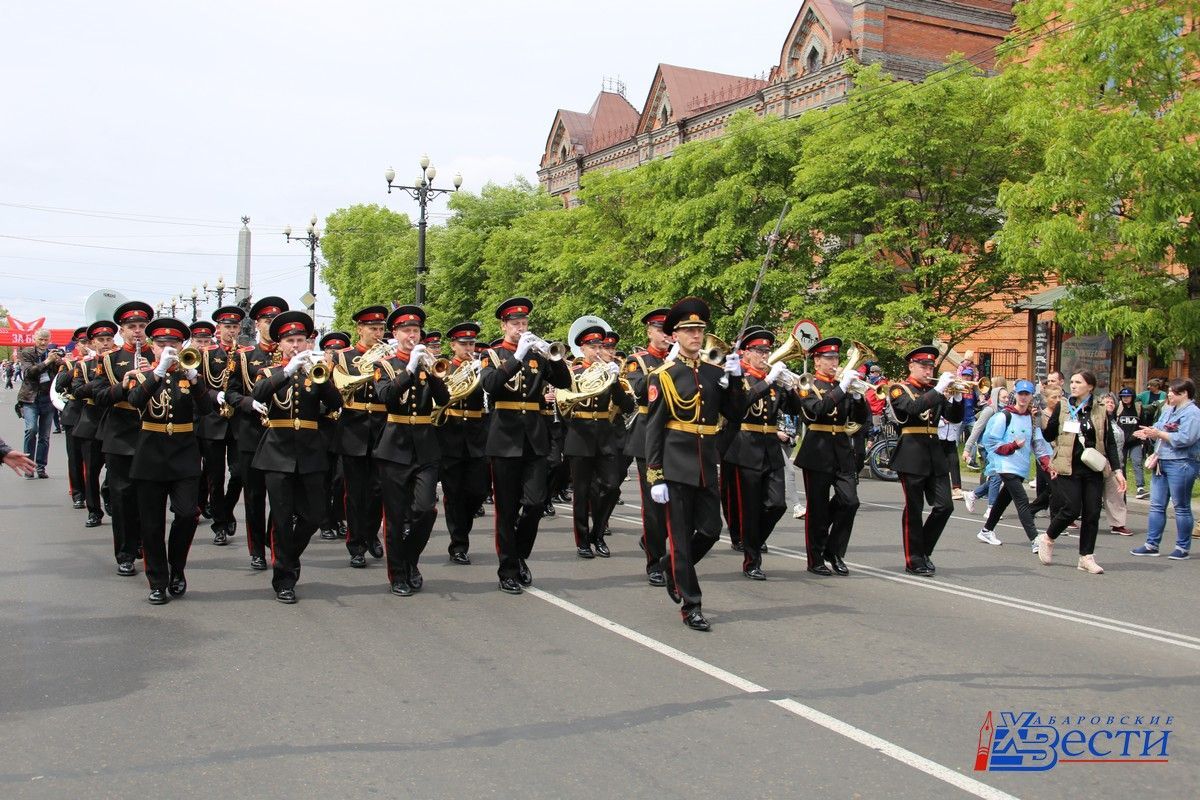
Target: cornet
(189,358)
(555,351)
(318,370)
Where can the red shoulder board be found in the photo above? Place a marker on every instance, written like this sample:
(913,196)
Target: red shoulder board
(246,348)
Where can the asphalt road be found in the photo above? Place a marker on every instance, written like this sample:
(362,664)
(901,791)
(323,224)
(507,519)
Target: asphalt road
(874,685)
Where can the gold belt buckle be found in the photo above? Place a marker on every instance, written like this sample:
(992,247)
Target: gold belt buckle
(296,424)
(170,428)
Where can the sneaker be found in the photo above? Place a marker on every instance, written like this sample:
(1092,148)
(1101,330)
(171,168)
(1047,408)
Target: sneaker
(1179,554)
(1144,550)
(1045,549)
(957,494)
(1121,530)
(799,511)
(1142,494)
(969,501)
(988,536)
(1088,564)
(1034,546)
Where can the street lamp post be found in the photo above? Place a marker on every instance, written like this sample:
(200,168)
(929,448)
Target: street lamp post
(423,191)
(312,239)
(195,300)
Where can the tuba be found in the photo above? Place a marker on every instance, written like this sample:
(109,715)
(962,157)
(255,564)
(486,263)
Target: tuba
(590,383)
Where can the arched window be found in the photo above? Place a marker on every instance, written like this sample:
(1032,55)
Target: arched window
(813,62)
(562,155)
(664,116)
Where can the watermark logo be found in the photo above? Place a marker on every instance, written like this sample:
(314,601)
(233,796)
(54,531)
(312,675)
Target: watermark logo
(1027,741)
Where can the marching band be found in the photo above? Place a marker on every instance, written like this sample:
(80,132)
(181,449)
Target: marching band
(355,440)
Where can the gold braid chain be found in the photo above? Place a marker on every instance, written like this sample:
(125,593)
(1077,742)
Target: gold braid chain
(675,402)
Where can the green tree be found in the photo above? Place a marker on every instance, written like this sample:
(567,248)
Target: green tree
(370,257)
(1110,93)
(897,203)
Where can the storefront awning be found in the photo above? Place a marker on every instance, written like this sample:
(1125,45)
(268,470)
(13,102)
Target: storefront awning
(1042,301)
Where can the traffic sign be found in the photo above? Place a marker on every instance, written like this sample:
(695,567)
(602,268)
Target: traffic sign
(807,332)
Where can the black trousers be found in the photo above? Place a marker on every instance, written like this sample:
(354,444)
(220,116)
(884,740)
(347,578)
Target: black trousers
(295,514)
(409,501)
(921,537)
(729,503)
(75,447)
(1012,490)
(335,494)
(364,502)
(654,524)
(832,502)
(1081,495)
(693,527)
(594,479)
(221,455)
(123,498)
(951,451)
(760,501)
(465,483)
(1041,500)
(518,495)
(166,558)
(93,462)
(254,489)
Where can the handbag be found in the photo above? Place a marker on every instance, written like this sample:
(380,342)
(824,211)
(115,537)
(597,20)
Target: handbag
(1092,458)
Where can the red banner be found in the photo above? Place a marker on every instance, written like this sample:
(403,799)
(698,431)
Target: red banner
(20,334)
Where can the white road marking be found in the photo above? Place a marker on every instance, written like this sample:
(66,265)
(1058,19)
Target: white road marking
(876,743)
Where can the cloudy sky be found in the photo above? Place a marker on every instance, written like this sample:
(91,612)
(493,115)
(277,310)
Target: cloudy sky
(137,134)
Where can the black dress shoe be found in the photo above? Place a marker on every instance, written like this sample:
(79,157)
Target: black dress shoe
(548,509)
(929,566)
(402,589)
(376,548)
(93,521)
(107,508)
(286,596)
(359,561)
(820,569)
(231,528)
(524,576)
(328,534)
(920,570)
(341,529)
(125,569)
(839,566)
(178,586)
(763,548)
(696,621)
(737,546)
(585,551)
(220,538)
(206,511)
(158,597)
(479,512)
(460,558)
(509,586)
(415,579)
(258,562)
(754,574)
(602,549)
(77,503)
(656,578)
(488,499)
(41,473)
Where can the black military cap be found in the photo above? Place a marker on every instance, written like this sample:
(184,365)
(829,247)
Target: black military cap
(371,315)
(290,323)
(611,338)
(229,314)
(463,332)
(133,311)
(431,337)
(203,327)
(592,334)
(406,315)
(268,307)
(80,334)
(656,317)
(102,327)
(690,312)
(167,328)
(757,336)
(923,355)
(335,339)
(514,308)
(496,342)
(830,345)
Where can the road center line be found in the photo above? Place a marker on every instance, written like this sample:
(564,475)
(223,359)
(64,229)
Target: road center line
(876,743)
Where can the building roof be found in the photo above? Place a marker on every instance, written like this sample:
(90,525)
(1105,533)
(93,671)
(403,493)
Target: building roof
(610,119)
(687,91)
(1043,301)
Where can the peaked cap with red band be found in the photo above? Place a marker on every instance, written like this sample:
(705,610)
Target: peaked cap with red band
(656,317)
(463,332)
(611,338)
(923,355)
(514,308)
(203,327)
(80,334)
(102,327)
(167,328)
(830,346)
(133,311)
(406,315)
(268,307)
(334,339)
(757,336)
(229,314)
(592,334)
(431,337)
(371,315)
(290,323)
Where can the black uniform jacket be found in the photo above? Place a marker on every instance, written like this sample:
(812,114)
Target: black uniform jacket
(408,435)
(516,389)
(463,433)
(755,442)
(216,367)
(121,423)
(82,377)
(686,405)
(251,361)
(590,424)
(167,448)
(363,413)
(826,409)
(637,371)
(292,441)
(73,407)
(919,409)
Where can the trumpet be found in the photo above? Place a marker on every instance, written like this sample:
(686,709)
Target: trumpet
(555,351)
(318,370)
(189,357)
(961,387)
(439,367)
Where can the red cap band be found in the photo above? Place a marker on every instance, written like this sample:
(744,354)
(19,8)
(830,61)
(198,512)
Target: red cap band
(172,332)
(105,331)
(406,319)
(591,337)
(463,335)
(134,316)
(262,312)
(291,327)
(511,310)
(373,316)
(657,319)
(229,317)
(828,348)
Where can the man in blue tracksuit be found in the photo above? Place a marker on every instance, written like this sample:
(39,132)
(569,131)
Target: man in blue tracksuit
(1009,439)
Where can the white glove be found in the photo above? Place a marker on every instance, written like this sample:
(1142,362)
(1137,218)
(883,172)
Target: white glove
(415,358)
(525,344)
(259,407)
(733,364)
(294,364)
(614,367)
(674,351)
(848,377)
(776,370)
(658,493)
(944,382)
(165,360)
(220,398)
(856,395)
(192,375)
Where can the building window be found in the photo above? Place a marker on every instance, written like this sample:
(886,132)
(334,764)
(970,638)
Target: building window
(813,63)
(562,155)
